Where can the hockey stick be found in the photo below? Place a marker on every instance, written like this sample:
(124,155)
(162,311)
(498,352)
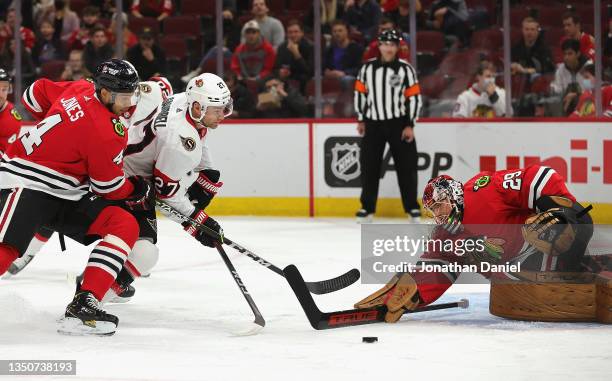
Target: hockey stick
(259,319)
(326,320)
(320,287)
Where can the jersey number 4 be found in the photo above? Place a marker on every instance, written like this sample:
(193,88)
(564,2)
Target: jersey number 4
(512,181)
(33,138)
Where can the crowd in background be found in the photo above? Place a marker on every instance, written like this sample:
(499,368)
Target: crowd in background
(269,54)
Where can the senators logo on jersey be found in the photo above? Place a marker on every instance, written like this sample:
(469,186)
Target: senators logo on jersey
(188,143)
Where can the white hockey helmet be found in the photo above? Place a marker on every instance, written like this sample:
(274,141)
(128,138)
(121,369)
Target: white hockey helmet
(209,90)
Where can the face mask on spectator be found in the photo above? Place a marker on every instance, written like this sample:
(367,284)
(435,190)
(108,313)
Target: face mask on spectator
(586,84)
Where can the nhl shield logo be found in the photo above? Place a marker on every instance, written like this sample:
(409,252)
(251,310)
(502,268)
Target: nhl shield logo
(345,161)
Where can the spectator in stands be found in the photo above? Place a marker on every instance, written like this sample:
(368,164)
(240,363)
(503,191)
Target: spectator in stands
(531,55)
(89,19)
(483,99)
(48,46)
(129,38)
(6,32)
(97,49)
(372,50)
(330,12)
(74,69)
(147,57)
(231,39)
(253,59)
(294,57)
(244,104)
(159,9)
(276,100)
(401,16)
(568,77)
(342,58)
(572,28)
(7,60)
(270,28)
(363,16)
(450,17)
(586,103)
(64,20)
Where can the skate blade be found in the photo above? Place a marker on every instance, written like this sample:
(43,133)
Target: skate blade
(118,300)
(75,327)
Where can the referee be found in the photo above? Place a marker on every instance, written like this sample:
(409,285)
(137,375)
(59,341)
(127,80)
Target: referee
(387,102)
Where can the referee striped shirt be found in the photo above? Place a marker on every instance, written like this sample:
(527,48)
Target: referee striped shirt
(387,90)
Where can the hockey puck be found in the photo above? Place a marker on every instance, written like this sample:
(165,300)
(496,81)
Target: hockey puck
(369,339)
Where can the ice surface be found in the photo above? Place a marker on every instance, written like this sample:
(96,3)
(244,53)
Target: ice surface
(180,323)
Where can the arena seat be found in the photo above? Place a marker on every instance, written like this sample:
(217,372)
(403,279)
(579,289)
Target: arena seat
(455,64)
(487,39)
(182,25)
(52,69)
(197,7)
(430,41)
(136,24)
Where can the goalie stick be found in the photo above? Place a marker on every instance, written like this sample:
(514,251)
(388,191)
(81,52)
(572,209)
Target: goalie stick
(320,287)
(346,318)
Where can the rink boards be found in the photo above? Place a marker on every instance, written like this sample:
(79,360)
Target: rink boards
(312,168)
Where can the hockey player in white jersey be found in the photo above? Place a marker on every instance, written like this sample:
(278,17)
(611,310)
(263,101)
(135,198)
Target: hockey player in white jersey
(170,150)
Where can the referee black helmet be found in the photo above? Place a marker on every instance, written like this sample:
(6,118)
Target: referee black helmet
(390,35)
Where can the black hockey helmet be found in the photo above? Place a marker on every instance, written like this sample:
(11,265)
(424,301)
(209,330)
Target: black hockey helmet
(116,75)
(5,76)
(390,35)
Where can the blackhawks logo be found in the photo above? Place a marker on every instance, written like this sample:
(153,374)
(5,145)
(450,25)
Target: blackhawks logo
(481,182)
(118,127)
(199,83)
(16,115)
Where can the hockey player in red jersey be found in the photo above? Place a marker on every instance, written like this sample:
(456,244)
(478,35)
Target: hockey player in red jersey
(45,182)
(10,120)
(36,99)
(525,216)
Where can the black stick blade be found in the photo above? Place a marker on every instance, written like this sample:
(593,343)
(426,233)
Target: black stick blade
(334,284)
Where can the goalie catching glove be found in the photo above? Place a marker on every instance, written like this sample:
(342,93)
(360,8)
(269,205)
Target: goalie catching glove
(399,295)
(552,231)
(199,234)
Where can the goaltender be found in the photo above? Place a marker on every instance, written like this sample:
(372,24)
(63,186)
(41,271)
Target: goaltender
(524,216)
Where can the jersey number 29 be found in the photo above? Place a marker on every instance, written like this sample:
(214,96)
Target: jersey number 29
(34,136)
(512,181)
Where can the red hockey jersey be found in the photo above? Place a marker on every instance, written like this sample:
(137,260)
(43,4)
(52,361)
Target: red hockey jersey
(10,125)
(40,95)
(496,204)
(79,144)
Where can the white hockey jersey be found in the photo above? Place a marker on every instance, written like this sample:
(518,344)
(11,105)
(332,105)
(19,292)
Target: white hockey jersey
(151,98)
(473,104)
(169,150)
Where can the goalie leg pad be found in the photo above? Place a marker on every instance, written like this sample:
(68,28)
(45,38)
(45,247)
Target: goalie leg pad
(554,296)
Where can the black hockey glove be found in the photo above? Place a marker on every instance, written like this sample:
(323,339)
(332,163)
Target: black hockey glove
(205,238)
(142,198)
(206,186)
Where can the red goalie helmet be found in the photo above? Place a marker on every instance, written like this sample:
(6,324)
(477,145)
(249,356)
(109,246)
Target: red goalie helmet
(443,198)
